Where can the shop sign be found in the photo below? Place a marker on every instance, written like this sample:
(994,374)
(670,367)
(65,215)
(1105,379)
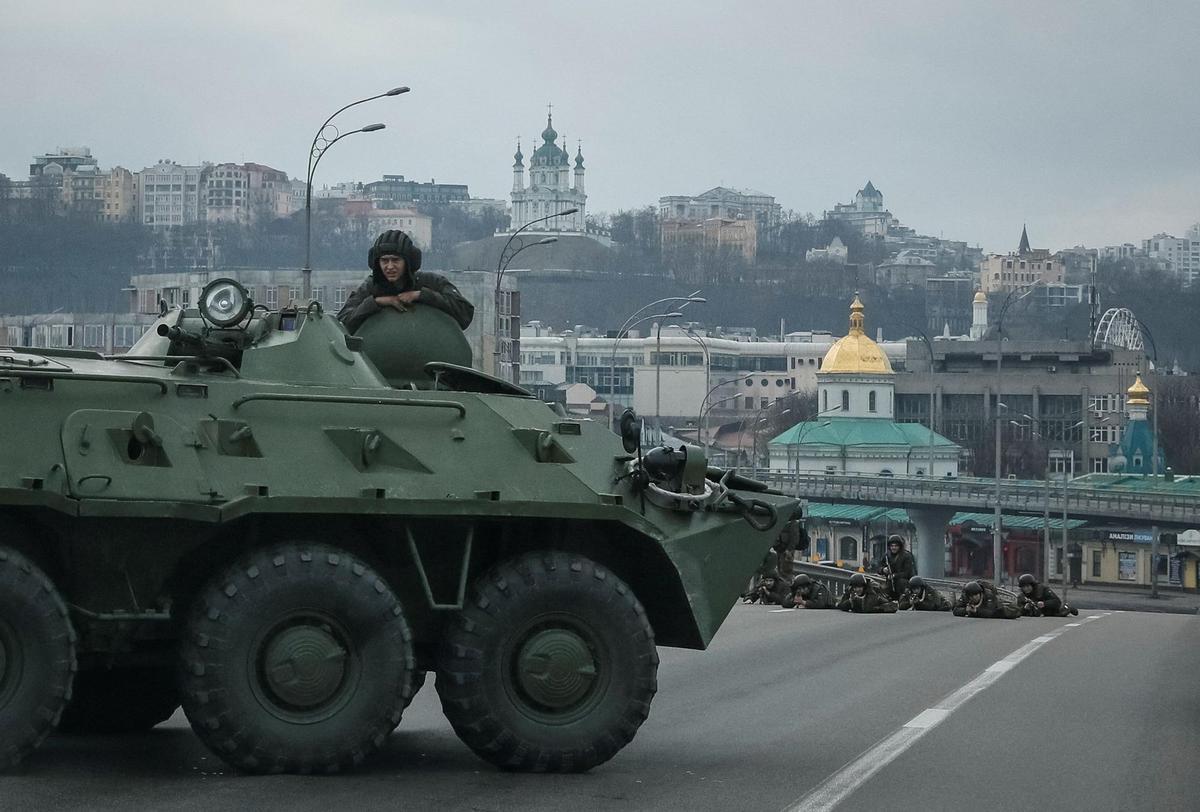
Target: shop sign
(1127,566)
(1134,536)
(1188,538)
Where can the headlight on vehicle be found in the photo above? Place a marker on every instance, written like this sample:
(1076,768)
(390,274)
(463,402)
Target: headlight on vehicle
(224,303)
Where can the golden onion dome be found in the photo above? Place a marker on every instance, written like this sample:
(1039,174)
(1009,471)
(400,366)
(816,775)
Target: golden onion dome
(1138,393)
(980,297)
(856,353)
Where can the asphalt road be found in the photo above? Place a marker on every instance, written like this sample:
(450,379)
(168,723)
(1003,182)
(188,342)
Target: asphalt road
(778,714)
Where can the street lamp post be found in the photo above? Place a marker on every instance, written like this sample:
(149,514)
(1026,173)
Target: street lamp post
(1015,295)
(1153,455)
(928,349)
(612,356)
(328,135)
(506,256)
(497,298)
(629,324)
(704,349)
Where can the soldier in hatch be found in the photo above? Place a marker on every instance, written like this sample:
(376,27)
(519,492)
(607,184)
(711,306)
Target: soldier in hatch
(898,566)
(1039,600)
(980,599)
(809,594)
(396,281)
(864,597)
(923,598)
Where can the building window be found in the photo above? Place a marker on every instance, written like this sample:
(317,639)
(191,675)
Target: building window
(293,295)
(845,400)
(14,337)
(93,335)
(871,401)
(848,548)
(339,297)
(1100,465)
(272,297)
(1097,556)
(749,403)
(825,401)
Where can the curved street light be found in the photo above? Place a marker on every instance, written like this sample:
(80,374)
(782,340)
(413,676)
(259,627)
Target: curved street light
(502,346)
(322,141)
(1014,296)
(629,324)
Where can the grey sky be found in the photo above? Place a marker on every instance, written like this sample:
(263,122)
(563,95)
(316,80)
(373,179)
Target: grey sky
(1080,118)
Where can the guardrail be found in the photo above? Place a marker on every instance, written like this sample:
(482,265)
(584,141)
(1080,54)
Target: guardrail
(980,495)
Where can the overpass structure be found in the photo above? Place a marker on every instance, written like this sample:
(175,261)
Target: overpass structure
(1168,502)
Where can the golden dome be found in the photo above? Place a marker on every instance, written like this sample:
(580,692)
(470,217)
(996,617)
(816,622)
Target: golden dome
(1138,393)
(980,297)
(856,352)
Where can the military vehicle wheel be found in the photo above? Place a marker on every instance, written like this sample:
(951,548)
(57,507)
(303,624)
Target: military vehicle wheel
(551,667)
(120,700)
(37,656)
(298,659)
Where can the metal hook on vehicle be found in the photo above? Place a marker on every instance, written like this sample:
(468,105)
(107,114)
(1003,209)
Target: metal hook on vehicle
(752,508)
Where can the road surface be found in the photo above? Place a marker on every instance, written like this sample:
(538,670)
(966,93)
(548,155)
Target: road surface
(787,710)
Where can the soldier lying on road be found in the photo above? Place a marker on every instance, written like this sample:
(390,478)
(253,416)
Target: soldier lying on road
(864,597)
(771,589)
(921,597)
(980,599)
(1038,600)
(808,594)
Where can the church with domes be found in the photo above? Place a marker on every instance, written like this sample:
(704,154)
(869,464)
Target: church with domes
(548,188)
(855,431)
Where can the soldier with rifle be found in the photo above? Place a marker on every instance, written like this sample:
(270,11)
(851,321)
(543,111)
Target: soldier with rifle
(865,598)
(898,567)
(809,594)
(980,599)
(1039,600)
(923,598)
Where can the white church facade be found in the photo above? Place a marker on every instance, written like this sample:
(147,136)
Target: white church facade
(548,187)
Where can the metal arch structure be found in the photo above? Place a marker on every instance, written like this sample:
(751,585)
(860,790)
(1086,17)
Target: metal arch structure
(1119,328)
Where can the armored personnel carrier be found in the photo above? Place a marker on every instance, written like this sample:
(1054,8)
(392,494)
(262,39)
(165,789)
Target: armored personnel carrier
(244,516)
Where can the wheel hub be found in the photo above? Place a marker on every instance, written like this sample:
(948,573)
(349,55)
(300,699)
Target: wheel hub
(304,666)
(556,669)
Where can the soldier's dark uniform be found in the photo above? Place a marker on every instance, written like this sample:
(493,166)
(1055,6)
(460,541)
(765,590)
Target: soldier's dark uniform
(436,290)
(869,601)
(809,594)
(989,604)
(923,598)
(897,567)
(770,590)
(1052,605)
(791,538)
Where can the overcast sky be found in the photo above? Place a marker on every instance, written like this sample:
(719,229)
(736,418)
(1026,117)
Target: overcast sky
(1080,118)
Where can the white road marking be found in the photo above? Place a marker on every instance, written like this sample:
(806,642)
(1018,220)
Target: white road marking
(1093,617)
(927,718)
(839,786)
(777,611)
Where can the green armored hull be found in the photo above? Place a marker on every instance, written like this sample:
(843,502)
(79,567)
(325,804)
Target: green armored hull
(248,519)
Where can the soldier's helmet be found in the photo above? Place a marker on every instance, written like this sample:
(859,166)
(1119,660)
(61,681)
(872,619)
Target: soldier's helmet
(916,583)
(858,579)
(973,589)
(1027,580)
(801,583)
(897,541)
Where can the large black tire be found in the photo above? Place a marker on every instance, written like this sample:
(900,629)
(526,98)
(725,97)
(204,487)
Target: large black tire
(120,700)
(550,667)
(37,657)
(298,659)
